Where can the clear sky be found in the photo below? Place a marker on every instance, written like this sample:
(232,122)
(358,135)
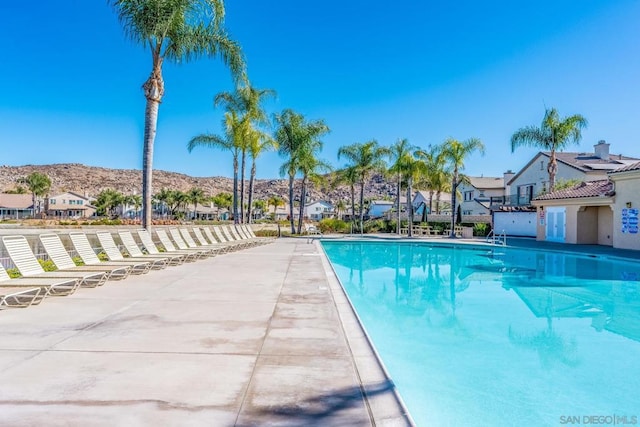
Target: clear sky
(70,82)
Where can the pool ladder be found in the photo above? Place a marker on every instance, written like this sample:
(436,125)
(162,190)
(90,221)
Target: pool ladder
(497,239)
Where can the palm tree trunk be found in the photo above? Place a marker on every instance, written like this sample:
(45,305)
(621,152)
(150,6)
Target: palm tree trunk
(552,168)
(303,196)
(398,189)
(353,203)
(362,206)
(150,124)
(251,182)
(409,208)
(293,227)
(153,91)
(235,188)
(430,201)
(242,167)
(454,189)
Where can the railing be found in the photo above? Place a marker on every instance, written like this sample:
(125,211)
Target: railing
(497,239)
(514,200)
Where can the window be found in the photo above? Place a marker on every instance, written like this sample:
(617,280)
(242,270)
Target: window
(468,196)
(52,201)
(541,165)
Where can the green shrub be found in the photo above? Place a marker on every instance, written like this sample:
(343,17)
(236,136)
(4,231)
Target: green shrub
(47,265)
(374,226)
(103,257)
(334,225)
(78,261)
(14,273)
(480,229)
(266,233)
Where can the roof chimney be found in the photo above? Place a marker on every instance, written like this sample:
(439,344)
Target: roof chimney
(602,150)
(507,176)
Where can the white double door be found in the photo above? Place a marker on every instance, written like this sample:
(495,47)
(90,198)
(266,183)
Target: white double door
(556,224)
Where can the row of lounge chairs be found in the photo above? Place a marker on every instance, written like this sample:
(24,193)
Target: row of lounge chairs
(180,245)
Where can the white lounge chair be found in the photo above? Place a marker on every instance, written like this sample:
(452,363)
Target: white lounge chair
(212,250)
(138,266)
(21,292)
(22,256)
(61,258)
(202,241)
(152,249)
(88,255)
(158,261)
(177,238)
(222,238)
(189,255)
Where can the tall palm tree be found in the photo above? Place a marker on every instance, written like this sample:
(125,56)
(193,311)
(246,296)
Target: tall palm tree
(436,179)
(275,201)
(554,134)
(231,142)
(259,142)
(454,152)
(349,176)
(311,168)
(397,154)
(366,158)
(412,168)
(175,31)
(39,185)
(246,101)
(294,134)
(195,196)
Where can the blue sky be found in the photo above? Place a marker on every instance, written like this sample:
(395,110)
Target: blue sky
(371,69)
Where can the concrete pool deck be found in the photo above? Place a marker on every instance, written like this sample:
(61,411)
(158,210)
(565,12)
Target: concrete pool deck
(263,336)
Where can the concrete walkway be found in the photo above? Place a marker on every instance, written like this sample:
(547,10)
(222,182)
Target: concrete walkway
(263,337)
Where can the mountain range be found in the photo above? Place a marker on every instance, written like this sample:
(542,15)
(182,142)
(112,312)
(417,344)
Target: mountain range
(91,180)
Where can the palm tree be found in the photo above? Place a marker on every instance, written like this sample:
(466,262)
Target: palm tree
(275,201)
(366,158)
(232,141)
(246,101)
(311,169)
(294,135)
(176,31)
(454,152)
(258,143)
(195,196)
(554,134)
(349,176)
(412,168)
(397,154)
(436,179)
(39,185)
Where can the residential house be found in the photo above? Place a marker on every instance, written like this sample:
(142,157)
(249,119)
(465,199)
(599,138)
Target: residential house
(70,205)
(604,212)
(431,202)
(318,210)
(15,206)
(533,179)
(378,208)
(515,215)
(477,194)
(579,214)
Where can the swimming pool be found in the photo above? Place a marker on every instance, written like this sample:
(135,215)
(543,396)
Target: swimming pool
(487,336)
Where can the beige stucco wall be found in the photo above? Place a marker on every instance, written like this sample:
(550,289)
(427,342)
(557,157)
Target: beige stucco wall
(605,226)
(586,225)
(538,176)
(627,188)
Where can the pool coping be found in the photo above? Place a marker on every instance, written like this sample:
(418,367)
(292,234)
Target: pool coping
(384,408)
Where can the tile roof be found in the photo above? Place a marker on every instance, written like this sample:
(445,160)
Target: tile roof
(601,188)
(587,162)
(16,201)
(627,168)
(487,182)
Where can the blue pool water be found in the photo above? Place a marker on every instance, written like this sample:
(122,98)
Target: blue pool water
(480,336)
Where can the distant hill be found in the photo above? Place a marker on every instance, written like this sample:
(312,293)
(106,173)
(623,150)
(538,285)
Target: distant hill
(91,180)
